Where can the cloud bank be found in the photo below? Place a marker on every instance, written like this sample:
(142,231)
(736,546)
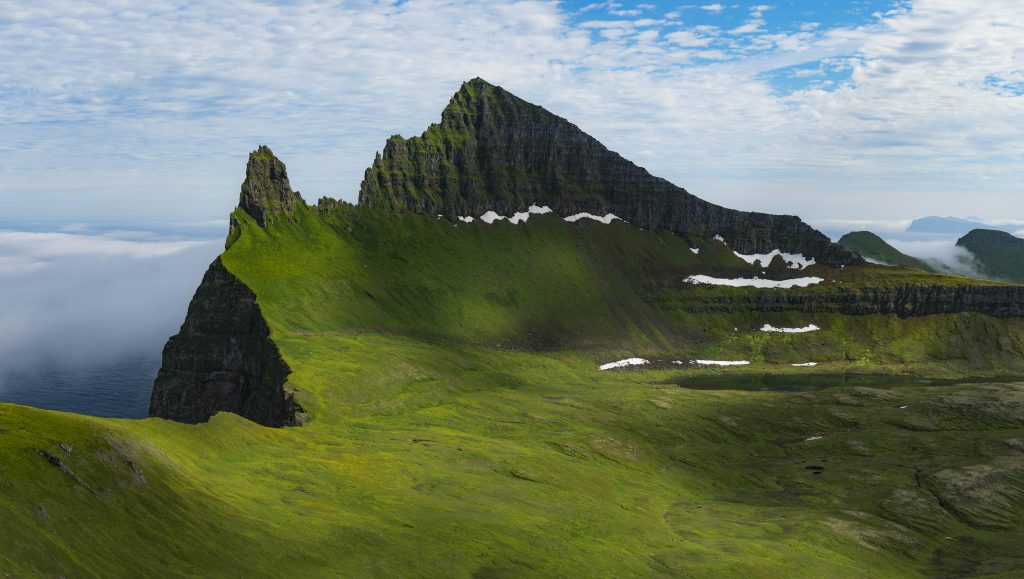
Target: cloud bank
(77,300)
(129,109)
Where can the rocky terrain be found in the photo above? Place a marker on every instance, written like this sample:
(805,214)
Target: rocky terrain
(223,360)
(494,151)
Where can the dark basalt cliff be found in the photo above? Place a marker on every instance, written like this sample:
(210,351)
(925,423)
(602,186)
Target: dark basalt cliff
(223,360)
(903,301)
(495,151)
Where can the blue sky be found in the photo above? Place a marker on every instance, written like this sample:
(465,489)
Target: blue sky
(858,112)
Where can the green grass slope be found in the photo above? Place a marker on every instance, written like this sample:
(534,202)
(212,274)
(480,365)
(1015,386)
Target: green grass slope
(460,427)
(872,247)
(997,254)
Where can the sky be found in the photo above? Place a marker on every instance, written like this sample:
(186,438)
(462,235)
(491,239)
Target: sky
(856,112)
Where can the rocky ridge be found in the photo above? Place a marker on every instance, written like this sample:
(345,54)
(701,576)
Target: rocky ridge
(493,151)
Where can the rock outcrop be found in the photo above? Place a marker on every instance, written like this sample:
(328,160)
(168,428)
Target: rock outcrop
(902,300)
(223,360)
(266,191)
(494,151)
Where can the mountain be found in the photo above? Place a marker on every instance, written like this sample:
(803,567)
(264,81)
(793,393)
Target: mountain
(495,151)
(379,390)
(875,249)
(997,254)
(951,226)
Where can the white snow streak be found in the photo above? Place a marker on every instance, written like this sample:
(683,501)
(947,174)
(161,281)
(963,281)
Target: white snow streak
(754,282)
(490,217)
(804,365)
(795,260)
(695,250)
(803,330)
(522,216)
(720,362)
(606,219)
(623,363)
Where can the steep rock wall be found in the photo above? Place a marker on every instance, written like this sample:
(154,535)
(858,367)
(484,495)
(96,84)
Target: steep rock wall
(903,301)
(494,151)
(223,360)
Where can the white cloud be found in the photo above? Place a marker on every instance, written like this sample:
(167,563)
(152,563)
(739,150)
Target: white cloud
(687,38)
(122,110)
(748,27)
(113,244)
(941,252)
(90,301)
(714,8)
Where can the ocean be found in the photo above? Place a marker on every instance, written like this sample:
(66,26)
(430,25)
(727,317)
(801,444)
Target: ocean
(116,390)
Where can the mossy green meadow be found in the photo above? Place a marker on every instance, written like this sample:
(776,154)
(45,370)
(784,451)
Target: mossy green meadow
(458,425)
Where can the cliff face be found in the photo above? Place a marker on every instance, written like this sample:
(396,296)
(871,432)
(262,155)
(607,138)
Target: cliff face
(903,301)
(494,151)
(223,360)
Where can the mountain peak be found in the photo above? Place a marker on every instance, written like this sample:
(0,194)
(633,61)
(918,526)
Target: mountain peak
(977,237)
(493,151)
(266,190)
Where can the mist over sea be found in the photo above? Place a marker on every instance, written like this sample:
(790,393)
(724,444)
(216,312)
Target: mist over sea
(85,309)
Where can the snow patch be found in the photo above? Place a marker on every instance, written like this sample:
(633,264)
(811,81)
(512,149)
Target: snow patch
(623,363)
(720,362)
(754,282)
(695,250)
(804,365)
(490,217)
(812,438)
(465,219)
(719,238)
(795,260)
(606,219)
(803,330)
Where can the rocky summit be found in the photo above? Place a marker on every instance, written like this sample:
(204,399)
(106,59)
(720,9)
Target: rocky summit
(493,151)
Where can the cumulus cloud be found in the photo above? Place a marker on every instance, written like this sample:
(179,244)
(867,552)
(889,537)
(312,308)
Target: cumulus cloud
(74,300)
(130,108)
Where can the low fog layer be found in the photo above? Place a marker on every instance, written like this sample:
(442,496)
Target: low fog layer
(88,300)
(945,254)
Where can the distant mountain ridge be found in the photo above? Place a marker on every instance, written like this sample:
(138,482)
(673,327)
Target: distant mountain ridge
(953,226)
(874,248)
(997,254)
(493,151)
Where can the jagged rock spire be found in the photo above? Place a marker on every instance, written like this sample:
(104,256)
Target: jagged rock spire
(266,191)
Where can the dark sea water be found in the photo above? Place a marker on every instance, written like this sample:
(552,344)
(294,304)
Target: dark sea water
(118,390)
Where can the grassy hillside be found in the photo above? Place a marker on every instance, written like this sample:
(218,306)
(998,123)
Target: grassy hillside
(870,246)
(997,254)
(459,425)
